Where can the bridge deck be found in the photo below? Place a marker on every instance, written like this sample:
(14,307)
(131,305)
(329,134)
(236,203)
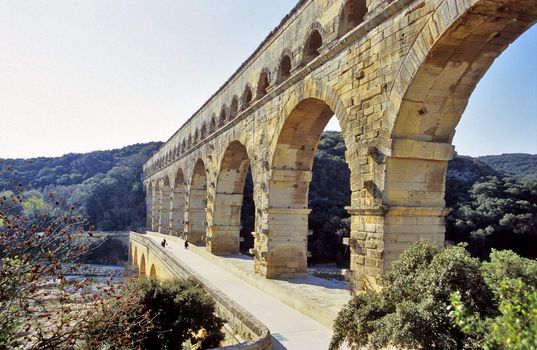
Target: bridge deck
(290,328)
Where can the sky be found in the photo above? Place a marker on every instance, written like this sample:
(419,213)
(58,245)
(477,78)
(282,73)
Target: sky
(78,76)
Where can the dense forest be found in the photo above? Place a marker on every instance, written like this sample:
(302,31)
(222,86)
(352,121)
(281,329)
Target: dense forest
(493,198)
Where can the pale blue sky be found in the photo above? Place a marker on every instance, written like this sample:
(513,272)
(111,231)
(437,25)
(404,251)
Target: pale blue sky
(77,76)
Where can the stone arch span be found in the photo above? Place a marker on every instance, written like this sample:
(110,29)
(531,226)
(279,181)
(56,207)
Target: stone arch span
(164,217)
(226,220)
(197,204)
(177,213)
(290,176)
(142,266)
(315,90)
(149,205)
(427,100)
(155,219)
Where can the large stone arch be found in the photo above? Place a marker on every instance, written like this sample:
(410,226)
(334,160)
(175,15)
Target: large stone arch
(303,119)
(149,205)
(197,204)
(177,212)
(155,219)
(165,201)
(457,45)
(226,218)
(314,89)
(318,90)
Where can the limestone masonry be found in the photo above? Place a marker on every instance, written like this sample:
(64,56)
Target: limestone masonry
(396,74)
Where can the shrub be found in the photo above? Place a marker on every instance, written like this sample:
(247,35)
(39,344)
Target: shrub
(413,309)
(513,324)
(178,311)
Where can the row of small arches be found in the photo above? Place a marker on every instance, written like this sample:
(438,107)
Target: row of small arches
(351,15)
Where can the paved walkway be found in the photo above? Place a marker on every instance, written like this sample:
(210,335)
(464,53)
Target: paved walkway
(290,329)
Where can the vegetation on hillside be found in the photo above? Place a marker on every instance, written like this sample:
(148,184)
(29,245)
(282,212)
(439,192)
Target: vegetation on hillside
(514,164)
(180,315)
(104,186)
(495,212)
(443,298)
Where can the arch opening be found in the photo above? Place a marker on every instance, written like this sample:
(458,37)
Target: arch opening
(246,98)
(149,206)
(212,126)
(316,208)
(178,204)
(153,272)
(433,100)
(262,84)
(284,71)
(165,201)
(222,119)
(141,272)
(312,46)
(155,218)
(203,131)
(232,221)
(234,108)
(196,220)
(352,15)
(247,234)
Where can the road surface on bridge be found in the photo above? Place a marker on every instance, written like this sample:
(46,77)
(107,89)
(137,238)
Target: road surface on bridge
(290,329)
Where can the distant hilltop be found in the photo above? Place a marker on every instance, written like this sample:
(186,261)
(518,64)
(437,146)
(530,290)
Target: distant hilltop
(469,169)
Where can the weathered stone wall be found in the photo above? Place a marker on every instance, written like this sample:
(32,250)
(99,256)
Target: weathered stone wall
(239,320)
(396,74)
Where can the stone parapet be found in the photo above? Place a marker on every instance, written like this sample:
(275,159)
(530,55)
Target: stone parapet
(239,319)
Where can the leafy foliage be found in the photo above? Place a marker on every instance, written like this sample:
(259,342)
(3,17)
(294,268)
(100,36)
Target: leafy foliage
(180,311)
(104,186)
(513,281)
(412,310)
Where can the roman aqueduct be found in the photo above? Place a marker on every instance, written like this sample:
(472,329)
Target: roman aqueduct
(397,75)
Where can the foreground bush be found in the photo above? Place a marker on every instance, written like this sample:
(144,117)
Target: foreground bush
(413,310)
(176,312)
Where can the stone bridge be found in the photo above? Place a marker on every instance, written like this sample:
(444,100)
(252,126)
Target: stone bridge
(396,74)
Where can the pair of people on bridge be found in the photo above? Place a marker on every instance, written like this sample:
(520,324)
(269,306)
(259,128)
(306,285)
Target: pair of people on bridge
(164,243)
